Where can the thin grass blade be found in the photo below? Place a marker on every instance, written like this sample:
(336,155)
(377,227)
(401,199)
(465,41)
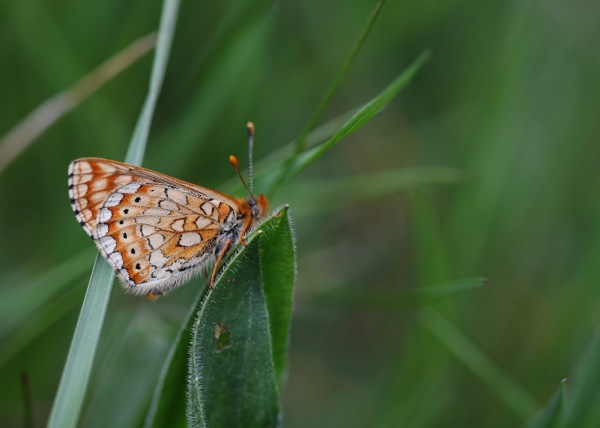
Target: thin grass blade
(25,301)
(75,377)
(168,401)
(333,86)
(53,109)
(366,113)
(73,384)
(351,298)
(551,415)
(582,409)
(465,350)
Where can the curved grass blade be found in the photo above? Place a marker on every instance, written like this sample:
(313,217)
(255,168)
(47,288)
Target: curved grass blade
(168,21)
(326,98)
(75,377)
(332,88)
(582,408)
(290,169)
(338,193)
(363,299)
(237,355)
(25,301)
(51,110)
(550,416)
(168,401)
(479,363)
(73,384)
(39,323)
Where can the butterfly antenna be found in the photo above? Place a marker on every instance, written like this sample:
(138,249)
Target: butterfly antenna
(233,160)
(250,128)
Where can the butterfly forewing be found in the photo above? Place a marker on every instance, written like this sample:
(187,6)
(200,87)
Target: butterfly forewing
(156,231)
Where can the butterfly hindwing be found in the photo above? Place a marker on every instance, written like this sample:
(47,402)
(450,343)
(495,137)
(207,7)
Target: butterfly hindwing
(156,231)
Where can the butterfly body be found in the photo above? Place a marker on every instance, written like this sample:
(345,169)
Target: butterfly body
(156,231)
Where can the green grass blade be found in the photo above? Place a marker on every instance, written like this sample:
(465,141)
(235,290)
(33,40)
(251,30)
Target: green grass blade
(136,150)
(333,86)
(237,358)
(39,323)
(50,111)
(550,415)
(326,98)
(208,101)
(74,380)
(73,384)
(479,363)
(372,299)
(24,302)
(365,114)
(338,193)
(168,402)
(582,408)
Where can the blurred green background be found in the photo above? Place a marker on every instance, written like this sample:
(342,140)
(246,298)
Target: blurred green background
(508,106)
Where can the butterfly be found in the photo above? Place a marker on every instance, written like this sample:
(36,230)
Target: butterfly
(157,231)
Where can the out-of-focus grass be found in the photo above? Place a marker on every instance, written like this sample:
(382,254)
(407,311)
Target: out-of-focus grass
(509,101)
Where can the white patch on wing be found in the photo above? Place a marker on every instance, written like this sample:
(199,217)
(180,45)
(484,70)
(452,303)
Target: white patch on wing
(148,230)
(104,215)
(208,208)
(157,212)
(203,222)
(102,230)
(113,200)
(177,225)
(117,259)
(169,205)
(190,238)
(108,243)
(177,196)
(130,188)
(158,259)
(156,241)
(147,219)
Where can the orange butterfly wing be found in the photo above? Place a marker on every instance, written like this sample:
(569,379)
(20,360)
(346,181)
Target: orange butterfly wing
(156,231)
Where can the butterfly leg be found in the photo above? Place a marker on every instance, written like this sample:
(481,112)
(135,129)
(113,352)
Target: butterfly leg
(218,262)
(244,230)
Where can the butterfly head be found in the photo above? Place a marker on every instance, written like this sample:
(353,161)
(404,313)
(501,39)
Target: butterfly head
(258,206)
(254,207)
